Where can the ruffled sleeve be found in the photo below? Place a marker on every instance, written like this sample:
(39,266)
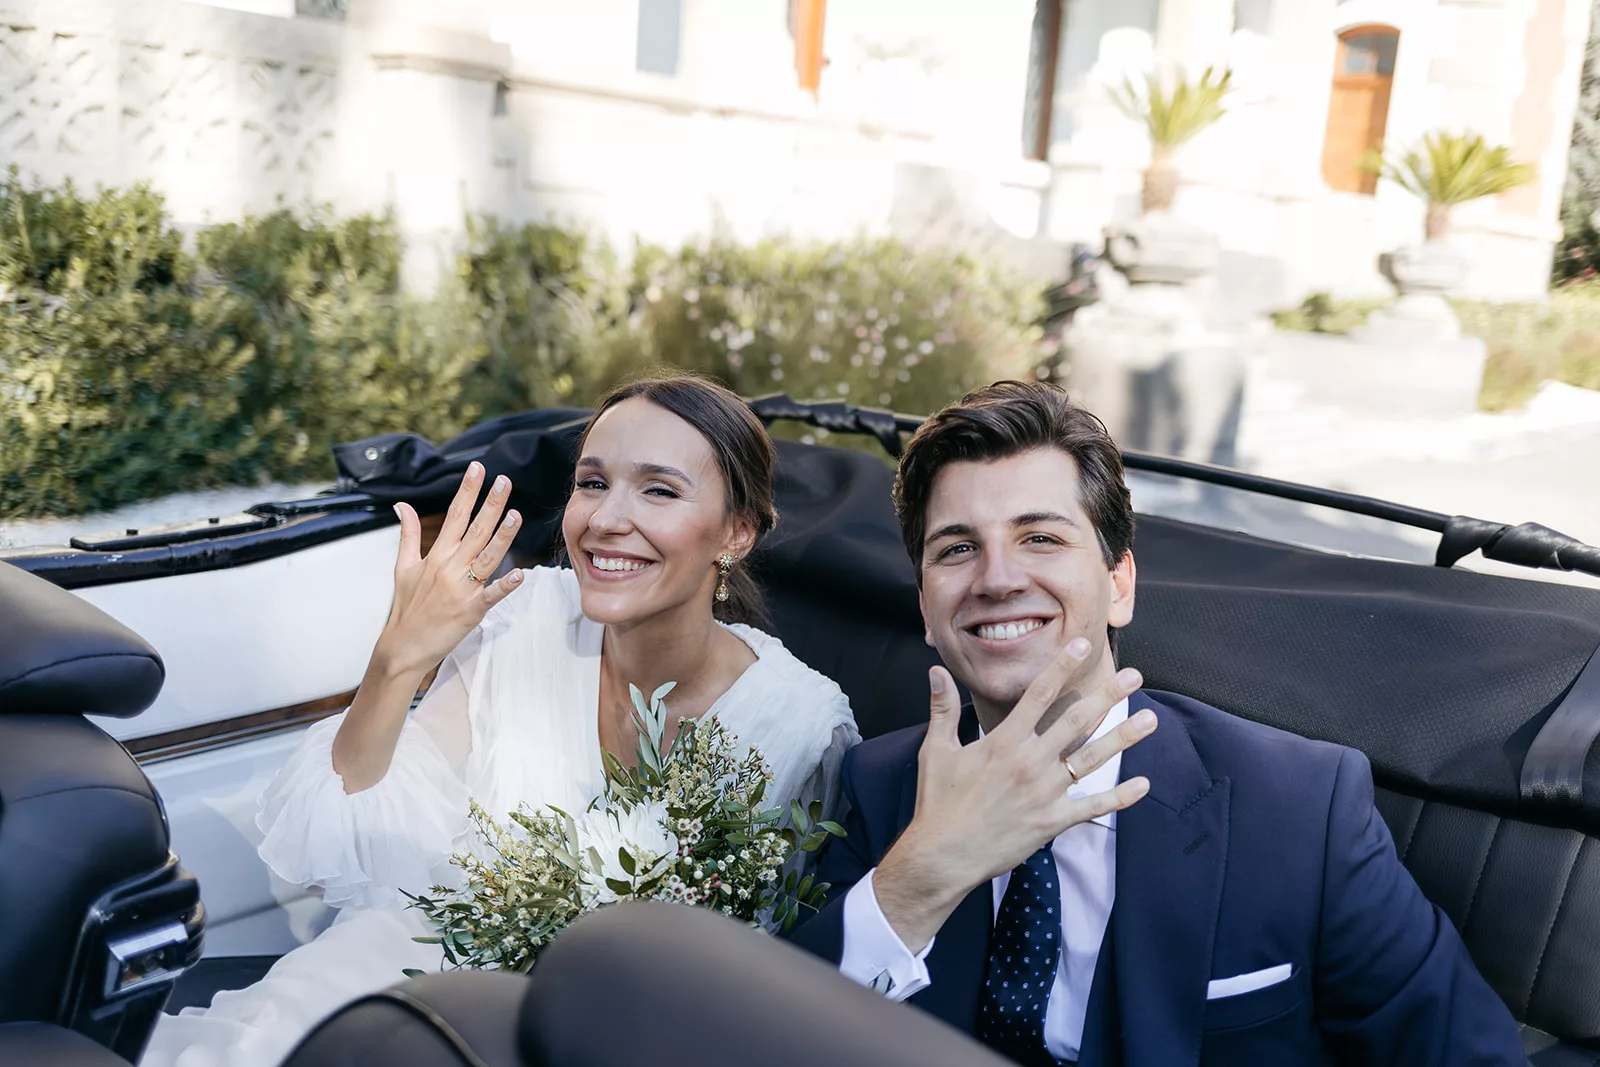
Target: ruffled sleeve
(361,849)
(509,719)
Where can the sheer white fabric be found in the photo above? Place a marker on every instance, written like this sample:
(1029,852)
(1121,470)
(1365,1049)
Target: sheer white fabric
(512,718)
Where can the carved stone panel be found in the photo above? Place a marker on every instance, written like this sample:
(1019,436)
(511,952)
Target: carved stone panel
(50,103)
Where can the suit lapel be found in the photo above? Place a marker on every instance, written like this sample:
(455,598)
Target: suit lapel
(1171,854)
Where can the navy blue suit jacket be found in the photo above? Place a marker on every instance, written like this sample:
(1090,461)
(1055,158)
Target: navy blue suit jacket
(1253,848)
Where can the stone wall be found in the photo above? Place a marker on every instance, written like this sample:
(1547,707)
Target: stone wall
(426,109)
(533,109)
(223,111)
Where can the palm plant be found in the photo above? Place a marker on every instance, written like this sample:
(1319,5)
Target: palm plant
(1447,169)
(1172,112)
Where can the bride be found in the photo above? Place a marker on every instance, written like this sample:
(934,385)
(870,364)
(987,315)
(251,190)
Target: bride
(673,488)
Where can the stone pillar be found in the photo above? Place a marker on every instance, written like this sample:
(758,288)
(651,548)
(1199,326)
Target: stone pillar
(1144,360)
(421,120)
(1411,355)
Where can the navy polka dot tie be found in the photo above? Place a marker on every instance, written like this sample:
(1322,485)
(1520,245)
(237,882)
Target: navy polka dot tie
(1022,963)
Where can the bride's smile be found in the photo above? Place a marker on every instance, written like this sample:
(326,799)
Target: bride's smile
(648,517)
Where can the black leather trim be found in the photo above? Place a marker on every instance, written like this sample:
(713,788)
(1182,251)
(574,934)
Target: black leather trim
(61,655)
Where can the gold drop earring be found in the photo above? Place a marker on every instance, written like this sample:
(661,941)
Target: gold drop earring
(725,564)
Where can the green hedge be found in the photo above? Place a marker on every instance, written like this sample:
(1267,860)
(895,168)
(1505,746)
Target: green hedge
(134,364)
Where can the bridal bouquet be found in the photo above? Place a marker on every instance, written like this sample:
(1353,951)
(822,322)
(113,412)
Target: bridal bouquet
(691,825)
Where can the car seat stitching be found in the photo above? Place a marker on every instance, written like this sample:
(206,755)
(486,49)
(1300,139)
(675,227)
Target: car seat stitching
(1550,928)
(16,680)
(79,789)
(1477,878)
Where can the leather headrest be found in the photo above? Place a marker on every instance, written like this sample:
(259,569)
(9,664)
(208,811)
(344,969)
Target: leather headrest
(61,655)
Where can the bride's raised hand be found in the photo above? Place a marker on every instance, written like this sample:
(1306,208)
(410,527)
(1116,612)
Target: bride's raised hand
(440,597)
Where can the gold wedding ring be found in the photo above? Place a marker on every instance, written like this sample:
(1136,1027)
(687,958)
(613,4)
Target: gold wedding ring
(475,580)
(1075,775)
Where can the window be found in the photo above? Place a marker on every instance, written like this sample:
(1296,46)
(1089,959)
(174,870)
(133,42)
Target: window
(806,21)
(1037,105)
(660,26)
(1358,110)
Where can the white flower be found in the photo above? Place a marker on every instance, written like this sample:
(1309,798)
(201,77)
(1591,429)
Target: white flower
(642,832)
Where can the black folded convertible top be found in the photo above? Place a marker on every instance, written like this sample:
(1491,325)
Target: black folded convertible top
(1444,678)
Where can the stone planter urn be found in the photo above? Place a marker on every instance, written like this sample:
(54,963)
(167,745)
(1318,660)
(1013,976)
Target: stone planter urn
(1410,357)
(1145,360)
(1423,276)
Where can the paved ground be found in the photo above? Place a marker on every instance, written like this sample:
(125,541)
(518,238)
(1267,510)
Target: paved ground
(1540,464)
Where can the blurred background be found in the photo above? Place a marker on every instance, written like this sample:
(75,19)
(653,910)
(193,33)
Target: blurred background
(1348,242)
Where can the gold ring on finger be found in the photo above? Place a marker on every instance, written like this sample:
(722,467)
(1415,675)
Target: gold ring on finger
(475,580)
(1067,760)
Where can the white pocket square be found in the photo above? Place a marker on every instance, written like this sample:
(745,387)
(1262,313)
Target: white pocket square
(1218,988)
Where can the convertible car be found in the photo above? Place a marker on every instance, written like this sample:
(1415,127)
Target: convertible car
(203,650)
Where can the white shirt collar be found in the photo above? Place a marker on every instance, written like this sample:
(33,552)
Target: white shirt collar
(1108,773)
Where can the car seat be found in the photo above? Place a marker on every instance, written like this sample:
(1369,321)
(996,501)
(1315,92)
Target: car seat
(100,918)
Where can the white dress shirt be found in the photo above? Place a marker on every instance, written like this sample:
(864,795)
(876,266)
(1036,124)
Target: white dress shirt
(1086,863)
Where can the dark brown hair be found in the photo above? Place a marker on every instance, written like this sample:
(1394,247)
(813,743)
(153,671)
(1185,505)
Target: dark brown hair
(744,456)
(1003,420)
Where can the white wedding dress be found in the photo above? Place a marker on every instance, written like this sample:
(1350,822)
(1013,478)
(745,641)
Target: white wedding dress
(512,718)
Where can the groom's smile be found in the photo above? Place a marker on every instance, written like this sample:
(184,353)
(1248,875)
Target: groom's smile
(1012,570)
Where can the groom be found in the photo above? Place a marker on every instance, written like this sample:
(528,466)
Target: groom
(1236,899)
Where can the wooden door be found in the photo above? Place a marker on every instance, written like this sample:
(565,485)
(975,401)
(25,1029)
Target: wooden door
(1358,110)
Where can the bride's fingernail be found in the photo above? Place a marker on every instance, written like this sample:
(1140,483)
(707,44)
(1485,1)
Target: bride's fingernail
(474,469)
(515,577)
(511,519)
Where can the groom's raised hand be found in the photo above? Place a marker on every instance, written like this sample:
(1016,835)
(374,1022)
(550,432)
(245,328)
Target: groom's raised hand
(985,807)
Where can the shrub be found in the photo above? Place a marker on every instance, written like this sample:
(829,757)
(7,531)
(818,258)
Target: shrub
(1531,343)
(130,367)
(1577,257)
(870,322)
(118,380)
(59,242)
(1321,313)
(343,353)
(549,300)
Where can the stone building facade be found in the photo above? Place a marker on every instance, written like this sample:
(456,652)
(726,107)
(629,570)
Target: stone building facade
(979,123)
